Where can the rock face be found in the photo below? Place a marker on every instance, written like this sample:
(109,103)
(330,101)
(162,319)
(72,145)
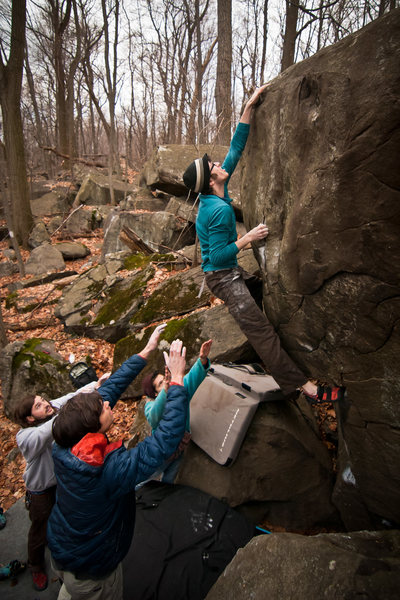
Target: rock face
(43,259)
(38,235)
(178,295)
(52,203)
(229,343)
(99,303)
(162,231)
(282,464)
(321,169)
(95,190)
(8,268)
(86,219)
(32,367)
(72,250)
(143,199)
(330,566)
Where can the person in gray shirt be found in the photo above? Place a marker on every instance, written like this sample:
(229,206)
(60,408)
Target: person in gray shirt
(35,415)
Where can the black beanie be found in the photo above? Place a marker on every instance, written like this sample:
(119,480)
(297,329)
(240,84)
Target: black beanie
(197,175)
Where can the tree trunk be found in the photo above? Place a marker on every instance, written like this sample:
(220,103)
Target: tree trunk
(38,120)
(265,37)
(60,23)
(289,39)
(224,63)
(3,334)
(10,100)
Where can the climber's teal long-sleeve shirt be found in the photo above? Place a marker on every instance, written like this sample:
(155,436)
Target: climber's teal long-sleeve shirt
(216,222)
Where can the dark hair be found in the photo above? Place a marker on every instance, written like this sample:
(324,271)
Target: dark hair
(148,384)
(23,410)
(79,416)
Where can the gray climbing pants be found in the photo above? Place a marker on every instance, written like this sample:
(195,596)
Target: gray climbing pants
(233,287)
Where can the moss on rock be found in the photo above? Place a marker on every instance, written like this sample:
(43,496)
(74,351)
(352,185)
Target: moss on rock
(32,353)
(187,329)
(122,297)
(11,300)
(139,260)
(171,298)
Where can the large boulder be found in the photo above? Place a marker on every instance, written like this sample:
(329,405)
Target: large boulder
(32,367)
(43,259)
(330,566)
(86,219)
(95,190)
(99,302)
(38,235)
(177,295)
(162,231)
(183,209)
(52,203)
(8,268)
(54,224)
(229,343)
(180,294)
(282,465)
(80,171)
(72,250)
(145,199)
(321,163)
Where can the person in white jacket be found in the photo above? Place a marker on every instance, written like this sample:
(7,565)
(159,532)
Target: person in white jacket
(35,439)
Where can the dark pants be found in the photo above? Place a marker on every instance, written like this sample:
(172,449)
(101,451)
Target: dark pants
(40,506)
(232,286)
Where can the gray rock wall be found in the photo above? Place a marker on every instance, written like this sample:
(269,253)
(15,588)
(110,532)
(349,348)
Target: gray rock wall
(330,566)
(321,169)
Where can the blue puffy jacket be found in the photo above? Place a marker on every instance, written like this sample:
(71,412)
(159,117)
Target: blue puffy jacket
(91,526)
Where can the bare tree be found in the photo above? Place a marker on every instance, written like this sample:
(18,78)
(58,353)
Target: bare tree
(250,54)
(3,333)
(111,8)
(223,86)
(289,38)
(38,121)
(103,82)
(63,37)
(174,28)
(10,99)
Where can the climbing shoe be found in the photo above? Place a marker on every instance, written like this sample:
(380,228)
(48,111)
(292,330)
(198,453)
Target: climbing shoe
(40,580)
(327,394)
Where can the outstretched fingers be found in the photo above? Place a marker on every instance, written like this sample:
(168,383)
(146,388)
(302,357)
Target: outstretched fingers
(155,336)
(205,349)
(177,361)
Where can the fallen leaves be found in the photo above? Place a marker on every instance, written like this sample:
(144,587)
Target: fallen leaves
(11,463)
(31,314)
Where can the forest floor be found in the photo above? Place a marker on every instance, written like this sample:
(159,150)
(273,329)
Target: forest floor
(42,323)
(19,327)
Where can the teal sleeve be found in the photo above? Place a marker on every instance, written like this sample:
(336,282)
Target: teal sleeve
(195,377)
(154,409)
(236,148)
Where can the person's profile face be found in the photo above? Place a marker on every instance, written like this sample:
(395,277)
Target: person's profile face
(216,171)
(106,417)
(158,382)
(41,410)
